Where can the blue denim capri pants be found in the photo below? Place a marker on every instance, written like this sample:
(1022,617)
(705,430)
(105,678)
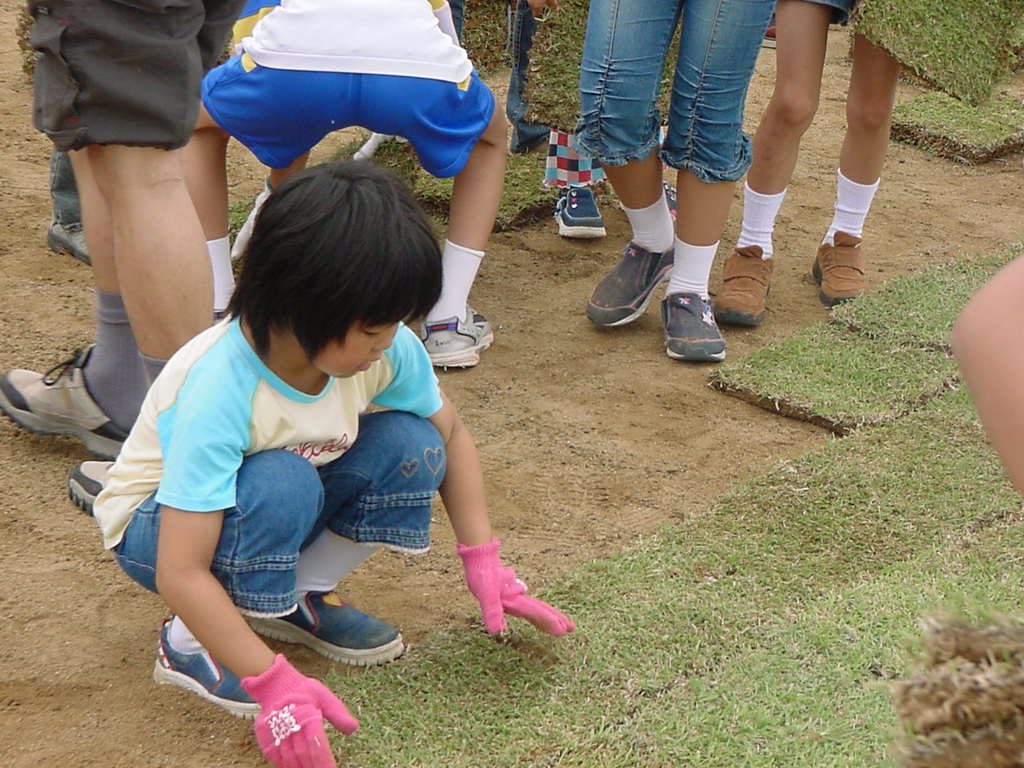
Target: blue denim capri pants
(623,57)
(380,491)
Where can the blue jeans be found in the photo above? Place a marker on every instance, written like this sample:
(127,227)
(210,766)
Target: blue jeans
(524,134)
(67,211)
(623,55)
(380,491)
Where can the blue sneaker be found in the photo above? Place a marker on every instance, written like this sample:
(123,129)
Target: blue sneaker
(577,214)
(203,675)
(690,329)
(336,630)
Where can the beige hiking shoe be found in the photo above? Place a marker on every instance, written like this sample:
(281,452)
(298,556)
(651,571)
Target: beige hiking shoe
(58,403)
(745,282)
(839,270)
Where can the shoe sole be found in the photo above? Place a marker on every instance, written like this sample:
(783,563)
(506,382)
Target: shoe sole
(80,496)
(580,232)
(636,314)
(696,357)
(278,629)
(164,676)
(103,447)
(464,358)
(738,317)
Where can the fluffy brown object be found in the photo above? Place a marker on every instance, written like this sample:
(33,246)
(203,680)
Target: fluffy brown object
(965,709)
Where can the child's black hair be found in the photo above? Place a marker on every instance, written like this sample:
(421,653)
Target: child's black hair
(336,244)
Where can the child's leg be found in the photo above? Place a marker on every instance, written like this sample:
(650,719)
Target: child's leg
(869,104)
(379,493)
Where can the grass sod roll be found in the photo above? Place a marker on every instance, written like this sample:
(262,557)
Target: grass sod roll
(954,129)
(963,47)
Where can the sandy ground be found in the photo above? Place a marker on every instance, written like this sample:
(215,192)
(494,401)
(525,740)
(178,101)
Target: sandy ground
(589,438)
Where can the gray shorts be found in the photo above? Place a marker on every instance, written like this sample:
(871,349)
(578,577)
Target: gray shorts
(124,71)
(841,9)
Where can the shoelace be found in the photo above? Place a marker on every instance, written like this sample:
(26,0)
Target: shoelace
(61,369)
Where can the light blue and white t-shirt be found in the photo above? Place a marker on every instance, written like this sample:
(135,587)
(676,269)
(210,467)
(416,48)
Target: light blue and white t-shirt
(216,402)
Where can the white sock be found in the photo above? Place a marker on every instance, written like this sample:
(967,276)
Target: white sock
(653,228)
(458,271)
(181,638)
(759,212)
(223,277)
(691,269)
(327,561)
(853,201)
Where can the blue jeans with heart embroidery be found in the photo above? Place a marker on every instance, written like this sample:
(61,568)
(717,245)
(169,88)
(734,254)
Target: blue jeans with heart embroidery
(380,491)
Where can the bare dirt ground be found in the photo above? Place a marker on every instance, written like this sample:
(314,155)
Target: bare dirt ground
(589,438)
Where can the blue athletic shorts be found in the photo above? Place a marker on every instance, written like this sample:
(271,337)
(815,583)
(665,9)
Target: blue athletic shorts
(281,113)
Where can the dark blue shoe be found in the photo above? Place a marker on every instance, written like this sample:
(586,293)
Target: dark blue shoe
(690,329)
(624,293)
(336,630)
(203,675)
(577,214)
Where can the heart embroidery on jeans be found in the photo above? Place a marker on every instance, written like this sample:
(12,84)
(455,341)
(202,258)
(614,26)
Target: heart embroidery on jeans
(409,467)
(434,458)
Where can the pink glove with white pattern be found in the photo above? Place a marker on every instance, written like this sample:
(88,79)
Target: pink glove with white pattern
(498,591)
(289,727)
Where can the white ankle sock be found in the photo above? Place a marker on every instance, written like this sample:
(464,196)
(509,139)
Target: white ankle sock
(652,226)
(459,265)
(327,561)
(759,213)
(691,269)
(181,638)
(853,201)
(223,277)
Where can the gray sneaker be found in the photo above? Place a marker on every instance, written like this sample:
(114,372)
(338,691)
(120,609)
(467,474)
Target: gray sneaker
(58,403)
(690,329)
(86,481)
(624,293)
(457,342)
(61,239)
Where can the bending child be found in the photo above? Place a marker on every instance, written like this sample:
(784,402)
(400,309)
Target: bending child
(310,67)
(254,479)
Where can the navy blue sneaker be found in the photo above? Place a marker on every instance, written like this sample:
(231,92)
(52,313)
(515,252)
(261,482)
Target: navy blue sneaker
(336,630)
(690,329)
(203,675)
(624,293)
(577,214)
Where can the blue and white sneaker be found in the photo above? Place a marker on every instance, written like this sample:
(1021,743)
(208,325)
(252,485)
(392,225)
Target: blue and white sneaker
(336,630)
(577,214)
(456,342)
(690,329)
(203,675)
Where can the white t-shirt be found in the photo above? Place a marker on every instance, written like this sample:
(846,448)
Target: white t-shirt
(375,37)
(216,402)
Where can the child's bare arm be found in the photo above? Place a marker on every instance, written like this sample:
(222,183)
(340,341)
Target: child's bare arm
(987,344)
(462,491)
(185,582)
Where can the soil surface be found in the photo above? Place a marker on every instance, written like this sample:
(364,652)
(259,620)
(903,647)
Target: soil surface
(589,438)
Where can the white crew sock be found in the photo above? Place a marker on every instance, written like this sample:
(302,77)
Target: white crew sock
(691,268)
(853,201)
(458,271)
(327,561)
(181,638)
(653,228)
(223,277)
(759,213)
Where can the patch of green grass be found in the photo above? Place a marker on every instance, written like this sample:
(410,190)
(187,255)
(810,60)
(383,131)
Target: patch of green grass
(553,81)
(485,35)
(835,378)
(963,47)
(760,634)
(919,309)
(952,128)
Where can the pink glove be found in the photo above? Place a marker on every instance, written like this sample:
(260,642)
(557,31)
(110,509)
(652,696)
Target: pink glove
(289,727)
(498,591)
